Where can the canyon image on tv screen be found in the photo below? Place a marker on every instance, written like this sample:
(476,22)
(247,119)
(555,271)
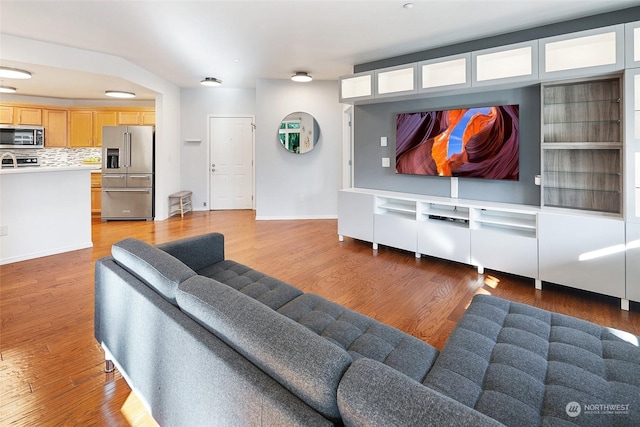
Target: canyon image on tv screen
(477,142)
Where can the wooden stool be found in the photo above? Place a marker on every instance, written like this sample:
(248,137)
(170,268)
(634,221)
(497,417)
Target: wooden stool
(180,202)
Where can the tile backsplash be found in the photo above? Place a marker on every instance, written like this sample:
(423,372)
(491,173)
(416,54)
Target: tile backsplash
(60,156)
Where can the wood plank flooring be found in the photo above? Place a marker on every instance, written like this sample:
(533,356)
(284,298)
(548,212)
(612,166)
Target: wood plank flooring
(51,368)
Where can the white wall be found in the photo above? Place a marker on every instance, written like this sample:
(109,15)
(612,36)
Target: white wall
(297,185)
(197,106)
(167,99)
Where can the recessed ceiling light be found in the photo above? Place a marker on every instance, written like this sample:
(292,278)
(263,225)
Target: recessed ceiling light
(211,82)
(7,89)
(301,77)
(120,94)
(14,73)
(408,5)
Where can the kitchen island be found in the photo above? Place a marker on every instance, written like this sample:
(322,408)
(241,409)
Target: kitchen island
(44,211)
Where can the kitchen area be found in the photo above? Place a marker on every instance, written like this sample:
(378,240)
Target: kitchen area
(60,172)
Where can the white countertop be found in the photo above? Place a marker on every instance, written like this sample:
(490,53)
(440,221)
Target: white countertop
(41,169)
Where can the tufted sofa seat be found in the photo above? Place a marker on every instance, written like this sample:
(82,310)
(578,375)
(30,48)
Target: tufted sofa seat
(362,336)
(517,364)
(522,365)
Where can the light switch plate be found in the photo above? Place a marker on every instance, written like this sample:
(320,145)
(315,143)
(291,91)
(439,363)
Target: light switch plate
(383,141)
(385,162)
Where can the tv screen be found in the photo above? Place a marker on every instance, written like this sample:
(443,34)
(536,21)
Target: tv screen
(478,142)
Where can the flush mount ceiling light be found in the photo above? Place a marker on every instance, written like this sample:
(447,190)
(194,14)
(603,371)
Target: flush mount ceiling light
(120,94)
(301,77)
(211,82)
(7,89)
(14,73)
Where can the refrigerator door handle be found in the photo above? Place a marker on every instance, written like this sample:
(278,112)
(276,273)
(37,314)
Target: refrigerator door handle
(128,148)
(128,190)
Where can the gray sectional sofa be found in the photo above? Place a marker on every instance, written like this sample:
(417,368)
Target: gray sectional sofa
(207,341)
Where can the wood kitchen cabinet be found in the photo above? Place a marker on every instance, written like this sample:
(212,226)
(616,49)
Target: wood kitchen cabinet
(80,129)
(85,127)
(96,193)
(6,114)
(102,118)
(137,117)
(56,128)
(20,115)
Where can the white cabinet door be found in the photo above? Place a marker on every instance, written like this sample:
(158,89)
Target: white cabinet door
(356,87)
(583,53)
(444,240)
(632,44)
(632,142)
(451,72)
(505,64)
(395,81)
(633,262)
(395,231)
(583,252)
(505,252)
(355,215)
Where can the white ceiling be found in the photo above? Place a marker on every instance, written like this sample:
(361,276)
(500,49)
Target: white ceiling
(241,41)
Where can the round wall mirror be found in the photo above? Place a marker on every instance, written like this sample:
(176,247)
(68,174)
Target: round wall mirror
(299,132)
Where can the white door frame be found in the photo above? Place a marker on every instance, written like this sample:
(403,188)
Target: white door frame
(253,153)
(347,147)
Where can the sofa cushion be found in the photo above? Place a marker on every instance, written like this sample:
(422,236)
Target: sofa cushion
(523,366)
(156,268)
(362,336)
(198,251)
(271,292)
(305,364)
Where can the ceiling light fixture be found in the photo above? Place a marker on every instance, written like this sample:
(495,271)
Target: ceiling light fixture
(120,94)
(211,82)
(7,89)
(301,77)
(408,6)
(14,73)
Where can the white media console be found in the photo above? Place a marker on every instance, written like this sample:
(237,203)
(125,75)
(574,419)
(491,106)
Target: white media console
(584,251)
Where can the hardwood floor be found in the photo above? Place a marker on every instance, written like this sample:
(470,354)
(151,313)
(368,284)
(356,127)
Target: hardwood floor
(51,368)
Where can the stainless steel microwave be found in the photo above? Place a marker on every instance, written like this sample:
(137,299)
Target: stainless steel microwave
(21,136)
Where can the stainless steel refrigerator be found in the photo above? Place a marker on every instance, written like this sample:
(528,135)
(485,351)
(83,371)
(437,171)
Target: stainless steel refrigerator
(127,172)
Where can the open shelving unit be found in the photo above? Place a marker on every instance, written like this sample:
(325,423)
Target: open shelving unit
(582,145)
(515,223)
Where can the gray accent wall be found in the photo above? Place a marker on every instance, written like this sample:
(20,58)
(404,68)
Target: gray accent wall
(373,121)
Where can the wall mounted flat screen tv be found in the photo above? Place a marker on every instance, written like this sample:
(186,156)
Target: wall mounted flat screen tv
(478,142)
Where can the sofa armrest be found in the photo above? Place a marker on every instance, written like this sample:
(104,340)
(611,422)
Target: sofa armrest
(372,394)
(197,252)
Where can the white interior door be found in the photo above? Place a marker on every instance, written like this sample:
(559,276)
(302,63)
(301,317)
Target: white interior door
(231,163)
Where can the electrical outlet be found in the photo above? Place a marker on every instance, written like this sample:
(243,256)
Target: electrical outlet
(204,204)
(4,230)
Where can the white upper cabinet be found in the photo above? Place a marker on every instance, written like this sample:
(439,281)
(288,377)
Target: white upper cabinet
(505,64)
(452,72)
(583,53)
(632,44)
(395,81)
(356,87)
